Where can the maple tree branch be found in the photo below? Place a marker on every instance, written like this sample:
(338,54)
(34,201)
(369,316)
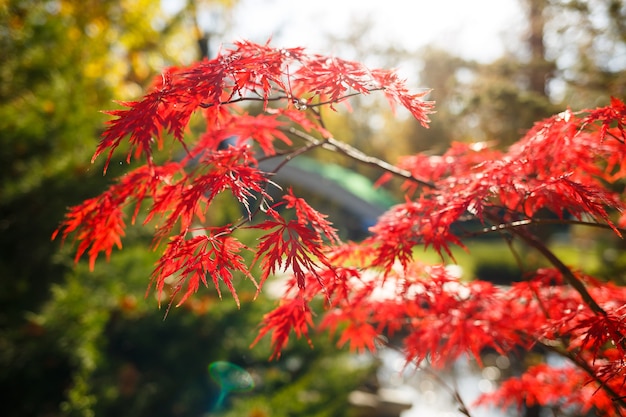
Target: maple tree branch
(615,137)
(453,391)
(514,252)
(620,400)
(294,153)
(353,153)
(240,99)
(567,273)
(340,99)
(527,222)
(296,101)
(356,154)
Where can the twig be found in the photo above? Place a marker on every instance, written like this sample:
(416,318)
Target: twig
(621,401)
(240,99)
(454,392)
(526,222)
(352,152)
(567,273)
(287,97)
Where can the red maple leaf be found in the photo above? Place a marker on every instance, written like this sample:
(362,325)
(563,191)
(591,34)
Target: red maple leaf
(290,315)
(565,387)
(289,245)
(187,263)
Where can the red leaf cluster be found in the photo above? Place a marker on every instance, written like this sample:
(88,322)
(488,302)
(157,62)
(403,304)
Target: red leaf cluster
(193,260)
(571,165)
(296,245)
(557,388)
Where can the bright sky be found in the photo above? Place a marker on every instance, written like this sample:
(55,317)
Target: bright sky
(470,28)
(475,29)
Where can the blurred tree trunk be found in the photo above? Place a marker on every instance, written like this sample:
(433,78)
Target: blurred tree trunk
(538,75)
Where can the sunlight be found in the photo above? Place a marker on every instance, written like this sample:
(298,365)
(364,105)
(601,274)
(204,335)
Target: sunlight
(479,29)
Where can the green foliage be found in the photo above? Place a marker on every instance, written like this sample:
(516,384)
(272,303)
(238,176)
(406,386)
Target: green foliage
(319,391)
(73,342)
(47,124)
(56,74)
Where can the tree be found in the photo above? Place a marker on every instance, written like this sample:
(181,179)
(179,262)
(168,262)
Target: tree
(565,54)
(74,343)
(375,291)
(63,61)
(584,41)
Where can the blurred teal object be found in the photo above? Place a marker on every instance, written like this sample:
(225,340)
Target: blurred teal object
(353,192)
(230,378)
(349,180)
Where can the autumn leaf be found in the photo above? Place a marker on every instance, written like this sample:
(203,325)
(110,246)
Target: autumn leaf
(289,246)
(187,263)
(290,315)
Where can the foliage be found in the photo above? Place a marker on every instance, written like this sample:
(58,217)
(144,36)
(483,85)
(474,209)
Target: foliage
(63,61)
(150,370)
(75,342)
(569,165)
(565,54)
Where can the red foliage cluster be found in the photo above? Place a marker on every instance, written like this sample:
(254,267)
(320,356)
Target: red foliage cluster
(569,165)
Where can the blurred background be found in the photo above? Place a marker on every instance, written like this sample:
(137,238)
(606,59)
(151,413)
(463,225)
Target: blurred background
(80,343)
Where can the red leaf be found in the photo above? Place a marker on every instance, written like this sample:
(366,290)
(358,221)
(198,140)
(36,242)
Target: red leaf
(189,262)
(289,315)
(307,215)
(289,246)
(188,198)
(99,225)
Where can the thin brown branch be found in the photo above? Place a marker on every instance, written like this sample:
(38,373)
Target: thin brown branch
(286,97)
(353,153)
(615,137)
(621,401)
(299,151)
(342,98)
(527,222)
(453,391)
(567,273)
(240,99)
